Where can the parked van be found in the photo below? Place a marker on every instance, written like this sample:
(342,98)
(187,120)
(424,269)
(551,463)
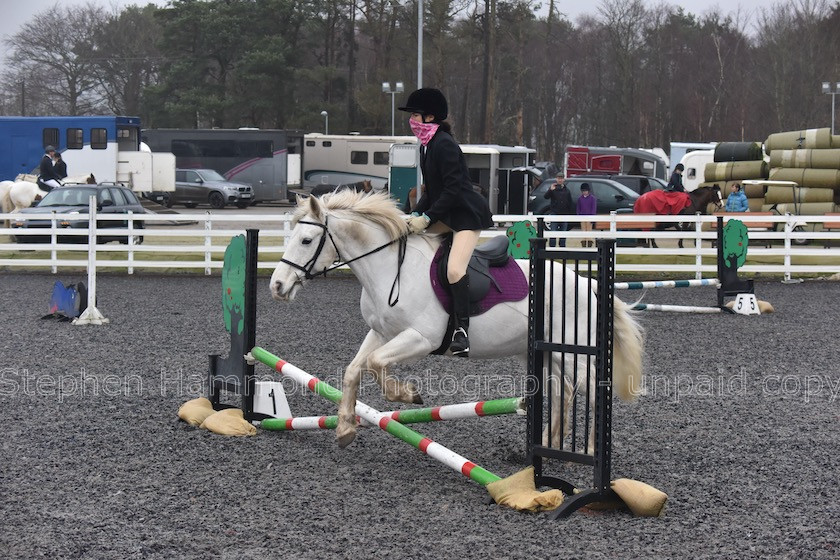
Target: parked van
(695,167)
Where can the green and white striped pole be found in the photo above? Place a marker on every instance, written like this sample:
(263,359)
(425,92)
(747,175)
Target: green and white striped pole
(495,407)
(374,417)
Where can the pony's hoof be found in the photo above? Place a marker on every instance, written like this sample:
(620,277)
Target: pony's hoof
(345,438)
(417,399)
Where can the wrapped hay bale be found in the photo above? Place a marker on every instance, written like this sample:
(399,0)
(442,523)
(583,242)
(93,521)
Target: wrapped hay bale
(778,194)
(821,178)
(787,174)
(194,412)
(755,204)
(229,422)
(835,141)
(755,191)
(735,171)
(817,138)
(815,178)
(819,159)
(738,151)
(805,209)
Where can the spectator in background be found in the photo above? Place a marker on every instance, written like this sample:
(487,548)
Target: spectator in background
(587,205)
(676,183)
(560,205)
(737,200)
(59,166)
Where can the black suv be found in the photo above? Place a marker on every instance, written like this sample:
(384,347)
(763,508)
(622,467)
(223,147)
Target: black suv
(611,195)
(639,183)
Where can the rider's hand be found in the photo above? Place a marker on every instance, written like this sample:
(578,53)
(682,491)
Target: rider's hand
(418,224)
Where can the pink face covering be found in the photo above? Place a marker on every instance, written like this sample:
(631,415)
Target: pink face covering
(423,131)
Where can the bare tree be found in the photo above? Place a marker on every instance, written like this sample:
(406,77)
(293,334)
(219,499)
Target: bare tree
(61,57)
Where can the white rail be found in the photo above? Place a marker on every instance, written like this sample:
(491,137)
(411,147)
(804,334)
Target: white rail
(198,242)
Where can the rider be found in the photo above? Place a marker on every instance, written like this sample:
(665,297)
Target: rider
(60,166)
(676,183)
(448,202)
(47,175)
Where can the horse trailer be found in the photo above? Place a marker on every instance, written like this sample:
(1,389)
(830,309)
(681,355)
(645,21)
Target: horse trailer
(266,159)
(503,174)
(614,161)
(107,147)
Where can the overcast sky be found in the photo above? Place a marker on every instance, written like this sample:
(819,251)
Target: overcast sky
(16,13)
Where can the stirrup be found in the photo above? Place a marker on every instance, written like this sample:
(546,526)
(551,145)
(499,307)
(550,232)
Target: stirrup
(460,345)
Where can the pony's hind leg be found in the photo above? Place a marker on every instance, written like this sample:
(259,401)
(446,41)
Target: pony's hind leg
(393,389)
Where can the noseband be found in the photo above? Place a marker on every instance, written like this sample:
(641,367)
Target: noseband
(307,267)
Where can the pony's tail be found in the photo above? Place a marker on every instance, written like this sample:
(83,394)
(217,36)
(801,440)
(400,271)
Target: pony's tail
(628,346)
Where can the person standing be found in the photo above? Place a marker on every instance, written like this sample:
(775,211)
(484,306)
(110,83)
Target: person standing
(587,205)
(560,205)
(59,166)
(737,200)
(448,202)
(676,183)
(46,173)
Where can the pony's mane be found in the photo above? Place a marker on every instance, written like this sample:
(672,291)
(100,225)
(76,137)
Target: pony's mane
(377,207)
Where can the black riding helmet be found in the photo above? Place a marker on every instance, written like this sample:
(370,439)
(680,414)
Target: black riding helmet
(427,101)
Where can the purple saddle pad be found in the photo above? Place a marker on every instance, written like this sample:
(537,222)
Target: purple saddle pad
(510,279)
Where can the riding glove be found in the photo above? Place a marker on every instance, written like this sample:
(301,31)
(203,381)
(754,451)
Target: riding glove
(418,224)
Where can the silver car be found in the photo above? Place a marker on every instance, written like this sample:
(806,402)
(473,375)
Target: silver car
(200,186)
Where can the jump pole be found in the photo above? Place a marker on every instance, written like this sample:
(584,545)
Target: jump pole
(675,308)
(514,405)
(667,284)
(374,417)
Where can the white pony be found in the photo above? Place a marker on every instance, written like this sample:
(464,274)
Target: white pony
(20,195)
(349,225)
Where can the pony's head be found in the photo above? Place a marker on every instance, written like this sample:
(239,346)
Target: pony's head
(323,229)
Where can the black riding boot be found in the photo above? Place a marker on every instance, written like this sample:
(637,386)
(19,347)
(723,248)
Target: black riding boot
(460,345)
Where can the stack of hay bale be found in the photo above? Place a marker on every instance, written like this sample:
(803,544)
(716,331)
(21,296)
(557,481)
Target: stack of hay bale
(811,158)
(734,163)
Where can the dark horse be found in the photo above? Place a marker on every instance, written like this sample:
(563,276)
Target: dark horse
(362,186)
(666,203)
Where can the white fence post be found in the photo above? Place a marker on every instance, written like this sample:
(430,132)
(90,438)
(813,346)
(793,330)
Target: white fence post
(698,246)
(54,243)
(130,244)
(91,315)
(208,241)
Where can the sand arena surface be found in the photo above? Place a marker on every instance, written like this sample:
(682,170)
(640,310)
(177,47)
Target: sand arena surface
(739,426)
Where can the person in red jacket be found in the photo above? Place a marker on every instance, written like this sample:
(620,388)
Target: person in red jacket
(448,203)
(587,205)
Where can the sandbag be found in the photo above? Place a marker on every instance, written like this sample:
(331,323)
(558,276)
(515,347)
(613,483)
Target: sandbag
(779,194)
(519,492)
(805,209)
(738,151)
(643,499)
(229,422)
(735,171)
(818,138)
(196,411)
(818,159)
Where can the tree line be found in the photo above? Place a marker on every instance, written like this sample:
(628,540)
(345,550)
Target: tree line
(514,72)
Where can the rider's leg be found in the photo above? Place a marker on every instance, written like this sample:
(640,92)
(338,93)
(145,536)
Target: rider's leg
(463,244)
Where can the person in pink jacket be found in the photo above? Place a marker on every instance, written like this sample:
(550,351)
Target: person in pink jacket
(587,205)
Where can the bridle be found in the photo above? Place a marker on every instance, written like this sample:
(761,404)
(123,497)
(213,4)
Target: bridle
(309,265)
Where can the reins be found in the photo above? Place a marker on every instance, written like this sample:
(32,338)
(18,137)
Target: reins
(307,267)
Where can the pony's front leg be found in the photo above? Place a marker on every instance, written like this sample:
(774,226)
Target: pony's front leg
(345,431)
(407,345)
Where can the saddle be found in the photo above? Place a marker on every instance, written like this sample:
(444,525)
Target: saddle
(494,253)
(494,278)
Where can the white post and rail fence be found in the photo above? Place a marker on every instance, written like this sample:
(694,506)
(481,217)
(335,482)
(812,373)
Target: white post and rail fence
(786,245)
